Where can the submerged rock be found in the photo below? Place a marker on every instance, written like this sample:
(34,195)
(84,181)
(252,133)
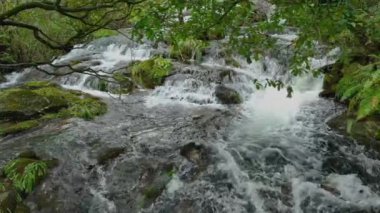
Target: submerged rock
(195,153)
(198,159)
(227,95)
(109,154)
(153,182)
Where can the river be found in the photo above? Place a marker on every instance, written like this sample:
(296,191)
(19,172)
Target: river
(182,151)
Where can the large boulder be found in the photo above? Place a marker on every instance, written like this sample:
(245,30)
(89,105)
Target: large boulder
(28,105)
(227,95)
(22,104)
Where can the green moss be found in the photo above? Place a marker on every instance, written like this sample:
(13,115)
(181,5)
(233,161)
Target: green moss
(87,108)
(20,104)
(27,106)
(13,128)
(151,73)
(189,49)
(104,33)
(38,84)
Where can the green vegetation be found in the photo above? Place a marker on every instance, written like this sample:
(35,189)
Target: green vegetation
(13,128)
(361,87)
(188,49)
(19,178)
(33,103)
(25,173)
(151,73)
(35,32)
(104,33)
(125,83)
(188,26)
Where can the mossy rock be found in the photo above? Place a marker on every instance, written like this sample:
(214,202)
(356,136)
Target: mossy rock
(365,132)
(8,201)
(33,103)
(21,104)
(22,208)
(152,72)
(13,128)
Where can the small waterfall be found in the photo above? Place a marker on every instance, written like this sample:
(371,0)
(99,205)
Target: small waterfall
(102,61)
(275,155)
(12,79)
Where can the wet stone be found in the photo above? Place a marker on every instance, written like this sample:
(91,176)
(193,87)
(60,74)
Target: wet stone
(227,95)
(109,154)
(8,201)
(28,154)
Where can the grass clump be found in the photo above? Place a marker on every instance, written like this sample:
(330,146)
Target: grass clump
(87,108)
(25,173)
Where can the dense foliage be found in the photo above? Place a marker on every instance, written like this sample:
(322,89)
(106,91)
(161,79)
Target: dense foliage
(351,25)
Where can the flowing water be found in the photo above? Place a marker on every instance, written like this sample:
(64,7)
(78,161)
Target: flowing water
(185,152)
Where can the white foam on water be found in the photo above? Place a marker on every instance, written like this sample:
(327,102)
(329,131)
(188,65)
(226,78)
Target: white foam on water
(189,92)
(11,78)
(174,185)
(100,203)
(117,54)
(351,189)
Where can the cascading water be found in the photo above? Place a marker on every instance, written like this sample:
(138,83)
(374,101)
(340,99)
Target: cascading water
(186,152)
(277,156)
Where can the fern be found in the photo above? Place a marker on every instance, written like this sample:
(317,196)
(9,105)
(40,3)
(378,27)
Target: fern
(361,87)
(25,175)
